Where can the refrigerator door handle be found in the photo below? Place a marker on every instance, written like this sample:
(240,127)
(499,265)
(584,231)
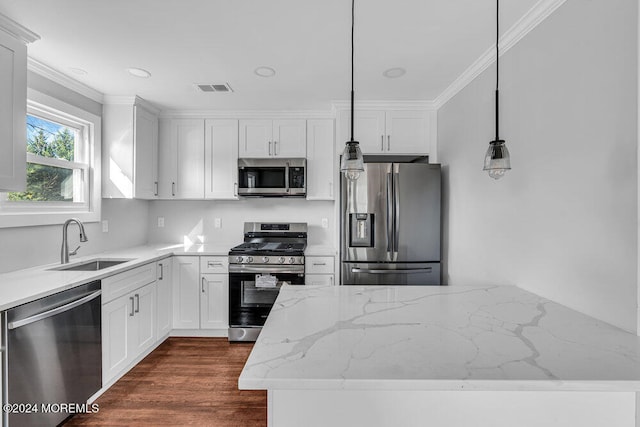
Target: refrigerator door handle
(396,214)
(390,207)
(390,270)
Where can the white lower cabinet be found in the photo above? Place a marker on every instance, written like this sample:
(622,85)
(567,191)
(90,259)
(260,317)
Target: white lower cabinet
(319,270)
(214,307)
(164,297)
(200,301)
(128,329)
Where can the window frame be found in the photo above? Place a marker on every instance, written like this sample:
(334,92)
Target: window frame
(18,214)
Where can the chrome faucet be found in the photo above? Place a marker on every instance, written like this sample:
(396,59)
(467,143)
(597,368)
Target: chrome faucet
(64,253)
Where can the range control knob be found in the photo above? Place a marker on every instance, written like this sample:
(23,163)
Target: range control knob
(292,260)
(238,259)
(281,260)
(265,259)
(249,259)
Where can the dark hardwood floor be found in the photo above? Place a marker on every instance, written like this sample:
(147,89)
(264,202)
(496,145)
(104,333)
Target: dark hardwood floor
(185,381)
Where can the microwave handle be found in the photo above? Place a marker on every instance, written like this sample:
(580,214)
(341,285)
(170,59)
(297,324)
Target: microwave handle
(286,178)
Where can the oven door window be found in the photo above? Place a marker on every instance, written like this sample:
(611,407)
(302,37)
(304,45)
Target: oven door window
(249,305)
(262,177)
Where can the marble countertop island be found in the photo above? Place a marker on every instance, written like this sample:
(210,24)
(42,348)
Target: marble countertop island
(498,338)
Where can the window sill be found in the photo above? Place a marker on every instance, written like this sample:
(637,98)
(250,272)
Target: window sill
(23,219)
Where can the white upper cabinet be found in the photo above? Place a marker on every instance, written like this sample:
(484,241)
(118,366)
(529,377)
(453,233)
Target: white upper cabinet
(390,131)
(13,104)
(272,138)
(221,159)
(181,148)
(321,162)
(130,148)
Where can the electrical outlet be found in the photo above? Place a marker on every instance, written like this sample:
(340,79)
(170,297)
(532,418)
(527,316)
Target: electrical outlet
(217,223)
(105,226)
(325,223)
(160,221)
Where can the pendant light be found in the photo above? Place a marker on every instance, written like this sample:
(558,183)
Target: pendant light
(352,163)
(497,161)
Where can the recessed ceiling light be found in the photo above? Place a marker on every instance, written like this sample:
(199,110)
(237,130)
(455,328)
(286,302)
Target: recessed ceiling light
(265,71)
(78,71)
(394,73)
(139,72)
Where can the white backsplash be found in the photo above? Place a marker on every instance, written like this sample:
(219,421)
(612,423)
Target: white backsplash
(196,220)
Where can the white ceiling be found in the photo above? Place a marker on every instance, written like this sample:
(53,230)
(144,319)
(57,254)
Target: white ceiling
(183,42)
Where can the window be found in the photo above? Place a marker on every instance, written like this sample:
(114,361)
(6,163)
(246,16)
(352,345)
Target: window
(61,163)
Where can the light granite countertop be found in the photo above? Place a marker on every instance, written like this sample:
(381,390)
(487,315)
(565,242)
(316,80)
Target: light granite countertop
(436,338)
(21,286)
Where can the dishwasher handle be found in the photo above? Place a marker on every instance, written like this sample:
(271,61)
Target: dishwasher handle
(50,313)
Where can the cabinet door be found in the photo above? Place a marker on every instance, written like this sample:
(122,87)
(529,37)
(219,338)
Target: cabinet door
(163,298)
(369,130)
(318,279)
(321,161)
(289,138)
(407,132)
(255,139)
(13,113)
(214,301)
(182,159)
(145,171)
(186,292)
(221,159)
(116,351)
(144,319)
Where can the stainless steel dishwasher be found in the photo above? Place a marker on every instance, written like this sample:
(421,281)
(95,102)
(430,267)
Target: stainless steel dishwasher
(53,355)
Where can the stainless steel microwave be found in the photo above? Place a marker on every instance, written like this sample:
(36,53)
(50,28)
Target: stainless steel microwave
(272,177)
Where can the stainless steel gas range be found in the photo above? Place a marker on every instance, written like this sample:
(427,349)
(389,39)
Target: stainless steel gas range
(272,254)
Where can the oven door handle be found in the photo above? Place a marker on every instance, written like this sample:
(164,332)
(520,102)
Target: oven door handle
(276,270)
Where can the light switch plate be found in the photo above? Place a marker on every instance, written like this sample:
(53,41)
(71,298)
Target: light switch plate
(217,223)
(160,222)
(325,223)
(105,226)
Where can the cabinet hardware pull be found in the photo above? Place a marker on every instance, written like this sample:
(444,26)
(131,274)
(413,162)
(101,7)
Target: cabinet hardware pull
(131,314)
(275,148)
(203,282)
(388,142)
(331,279)
(319,263)
(235,189)
(161,271)
(269,147)
(173,188)
(381,142)
(211,264)
(137,303)
(155,186)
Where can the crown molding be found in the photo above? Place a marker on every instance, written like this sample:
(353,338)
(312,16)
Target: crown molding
(130,100)
(538,13)
(16,30)
(62,79)
(382,105)
(247,114)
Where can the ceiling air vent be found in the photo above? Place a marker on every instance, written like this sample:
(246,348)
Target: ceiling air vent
(221,87)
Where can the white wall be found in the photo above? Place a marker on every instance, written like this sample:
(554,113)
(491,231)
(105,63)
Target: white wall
(194,218)
(563,222)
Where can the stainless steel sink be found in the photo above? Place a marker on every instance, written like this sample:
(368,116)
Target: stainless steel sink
(93,265)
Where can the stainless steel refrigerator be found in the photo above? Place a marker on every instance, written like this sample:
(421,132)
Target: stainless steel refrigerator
(390,225)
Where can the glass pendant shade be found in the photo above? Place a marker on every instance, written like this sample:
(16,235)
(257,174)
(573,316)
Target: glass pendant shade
(497,161)
(352,162)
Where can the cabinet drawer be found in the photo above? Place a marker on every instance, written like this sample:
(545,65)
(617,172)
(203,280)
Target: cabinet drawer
(214,264)
(318,279)
(123,283)
(318,265)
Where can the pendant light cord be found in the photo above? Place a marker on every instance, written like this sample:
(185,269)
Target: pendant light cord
(497,71)
(353,8)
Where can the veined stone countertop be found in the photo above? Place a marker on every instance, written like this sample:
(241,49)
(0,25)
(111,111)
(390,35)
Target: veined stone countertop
(22,286)
(436,338)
